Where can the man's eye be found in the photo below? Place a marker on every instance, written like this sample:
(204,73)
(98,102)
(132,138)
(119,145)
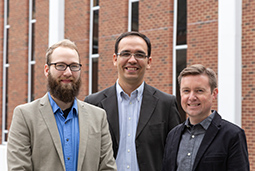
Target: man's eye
(140,55)
(185,91)
(74,66)
(61,66)
(125,54)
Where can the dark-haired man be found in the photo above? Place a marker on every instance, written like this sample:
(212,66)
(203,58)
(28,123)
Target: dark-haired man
(139,115)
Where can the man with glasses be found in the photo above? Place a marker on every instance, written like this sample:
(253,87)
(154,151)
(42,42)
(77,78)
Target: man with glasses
(59,132)
(139,115)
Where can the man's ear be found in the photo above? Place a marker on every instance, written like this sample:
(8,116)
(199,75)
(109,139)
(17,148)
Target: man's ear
(114,59)
(46,70)
(149,63)
(215,93)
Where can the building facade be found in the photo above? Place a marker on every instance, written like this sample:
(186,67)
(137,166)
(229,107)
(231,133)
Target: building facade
(219,34)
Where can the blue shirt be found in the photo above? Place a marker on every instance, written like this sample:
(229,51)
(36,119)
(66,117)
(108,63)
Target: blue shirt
(68,129)
(129,111)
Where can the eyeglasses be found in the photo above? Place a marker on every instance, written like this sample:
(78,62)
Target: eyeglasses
(127,55)
(62,66)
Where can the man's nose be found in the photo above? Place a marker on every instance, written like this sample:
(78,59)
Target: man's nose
(68,71)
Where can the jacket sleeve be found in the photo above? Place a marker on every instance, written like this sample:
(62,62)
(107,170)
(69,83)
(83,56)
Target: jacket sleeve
(238,153)
(19,144)
(107,161)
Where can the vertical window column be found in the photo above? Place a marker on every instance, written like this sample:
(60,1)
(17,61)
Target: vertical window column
(133,15)
(179,47)
(93,46)
(5,73)
(31,59)
(56,21)
(230,57)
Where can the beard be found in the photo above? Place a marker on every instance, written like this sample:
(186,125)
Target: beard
(65,93)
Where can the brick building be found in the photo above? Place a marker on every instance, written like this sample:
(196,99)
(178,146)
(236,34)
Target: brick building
(219,34)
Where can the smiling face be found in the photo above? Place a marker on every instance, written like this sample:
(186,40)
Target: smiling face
(63,85)
(197,97)
(131,71)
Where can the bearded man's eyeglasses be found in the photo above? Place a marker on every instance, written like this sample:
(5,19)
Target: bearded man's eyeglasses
(62,66)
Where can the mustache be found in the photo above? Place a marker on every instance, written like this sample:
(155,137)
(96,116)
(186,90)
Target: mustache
(65,93)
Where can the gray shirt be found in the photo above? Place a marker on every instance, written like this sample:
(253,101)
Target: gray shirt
(190,143)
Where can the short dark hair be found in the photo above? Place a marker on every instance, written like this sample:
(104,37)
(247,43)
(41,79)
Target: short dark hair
(198,69)
(133,33)
(63,43)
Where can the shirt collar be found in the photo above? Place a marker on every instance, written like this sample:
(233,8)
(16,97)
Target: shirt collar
(138,91)
(56,108)
(205,123)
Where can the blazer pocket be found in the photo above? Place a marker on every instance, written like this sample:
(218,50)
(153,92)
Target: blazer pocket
(215,158)
(94,141)
(157,130)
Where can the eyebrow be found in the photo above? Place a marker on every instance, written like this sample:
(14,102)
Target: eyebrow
(138,51)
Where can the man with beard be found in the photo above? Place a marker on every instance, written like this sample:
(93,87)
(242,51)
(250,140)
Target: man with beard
(59,132)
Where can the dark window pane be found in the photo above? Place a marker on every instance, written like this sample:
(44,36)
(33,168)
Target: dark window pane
(181,63)
(7,11)
(182,22)
(94,75)
(33,10)
(96,3)
(135,16)
(33,43)
(6,137)
(95,32)
(6,98)
(7,47)
(32,82)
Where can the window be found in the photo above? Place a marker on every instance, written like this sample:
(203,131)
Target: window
(179,47)
(5,73)
(93,46)
(133,16)
(31,42)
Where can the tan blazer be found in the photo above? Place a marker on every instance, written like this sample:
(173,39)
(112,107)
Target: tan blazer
(34,142)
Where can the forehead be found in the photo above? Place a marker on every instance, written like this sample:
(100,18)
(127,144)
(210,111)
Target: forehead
(195,81)
(64,54)
(132,43)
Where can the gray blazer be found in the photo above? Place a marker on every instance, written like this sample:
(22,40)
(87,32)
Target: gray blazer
(34,142)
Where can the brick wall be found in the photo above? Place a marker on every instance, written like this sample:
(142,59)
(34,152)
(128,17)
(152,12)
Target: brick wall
(18,52)
(202,36)
(41,45)
(248,76)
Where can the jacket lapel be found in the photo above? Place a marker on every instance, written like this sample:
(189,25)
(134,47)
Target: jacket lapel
(83,126)
(48,116)
(111,107)
(208,138)
(148,106)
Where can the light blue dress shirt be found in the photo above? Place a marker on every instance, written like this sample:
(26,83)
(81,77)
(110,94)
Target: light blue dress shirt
(129,111)
(69,133)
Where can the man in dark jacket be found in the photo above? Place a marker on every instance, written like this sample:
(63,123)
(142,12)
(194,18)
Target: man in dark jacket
(205,142)
(140,116)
